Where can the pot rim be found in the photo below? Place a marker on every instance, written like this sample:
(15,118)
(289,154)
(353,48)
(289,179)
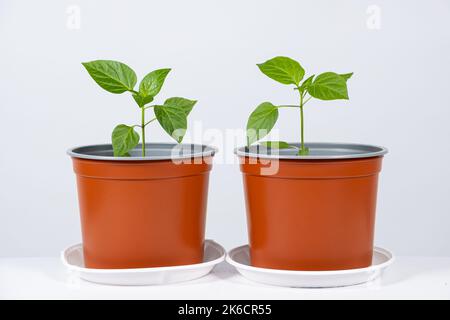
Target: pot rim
(318,151)
(165,150)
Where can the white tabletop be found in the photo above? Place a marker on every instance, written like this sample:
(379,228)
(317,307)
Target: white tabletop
(46,278)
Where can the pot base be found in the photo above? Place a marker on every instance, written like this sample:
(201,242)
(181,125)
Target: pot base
(72,258)
(240,259)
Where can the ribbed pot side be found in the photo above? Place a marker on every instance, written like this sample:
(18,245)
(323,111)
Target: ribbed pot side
(312,214)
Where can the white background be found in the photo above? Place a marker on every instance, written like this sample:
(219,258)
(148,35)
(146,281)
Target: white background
(398,99)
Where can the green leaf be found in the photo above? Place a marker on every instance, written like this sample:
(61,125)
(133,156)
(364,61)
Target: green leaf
(276,144)
(283,69)
(142,101)
(261,121)
(181,103)
(124,139)
(328,86)
(306,83)
(152,82)
(172,116)
(346,76)
(113,76)
(173,119)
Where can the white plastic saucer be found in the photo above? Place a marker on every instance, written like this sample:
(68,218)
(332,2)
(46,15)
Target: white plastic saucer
(240,259)
(72,258)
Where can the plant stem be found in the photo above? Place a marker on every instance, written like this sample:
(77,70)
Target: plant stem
(301,124)
(149,122)
(143,130)
(304,102)
(288,106)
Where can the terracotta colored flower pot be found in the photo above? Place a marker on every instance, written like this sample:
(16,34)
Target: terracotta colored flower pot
(313,212)
(142,212)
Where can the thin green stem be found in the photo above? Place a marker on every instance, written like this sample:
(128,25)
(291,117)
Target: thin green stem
(149,122)
(309,98)
(143,130)
(288,106)
(302,136)
(148,107)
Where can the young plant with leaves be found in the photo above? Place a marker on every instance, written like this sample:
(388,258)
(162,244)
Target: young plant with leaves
(325,86)
(116,77)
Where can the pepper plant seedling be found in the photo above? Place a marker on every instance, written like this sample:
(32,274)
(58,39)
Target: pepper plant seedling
(325,86)
(116,77)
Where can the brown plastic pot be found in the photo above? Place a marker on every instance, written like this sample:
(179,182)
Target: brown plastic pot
(142,212)
(313,212)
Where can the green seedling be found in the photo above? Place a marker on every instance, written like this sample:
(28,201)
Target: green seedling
(325,86)
(117,77)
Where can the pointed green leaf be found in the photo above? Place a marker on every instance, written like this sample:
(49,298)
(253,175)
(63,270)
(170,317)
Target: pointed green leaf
(328,86)
(182,103)
(124,139)
(283,69)
(113,76)
(261,121)
(277,144)
(173,120)
(346,76)
(152,82)
(306,83)
(142,101)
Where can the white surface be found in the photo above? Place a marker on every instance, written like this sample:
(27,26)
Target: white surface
(398,99)
(46,278)
(239,258)
(72,258)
